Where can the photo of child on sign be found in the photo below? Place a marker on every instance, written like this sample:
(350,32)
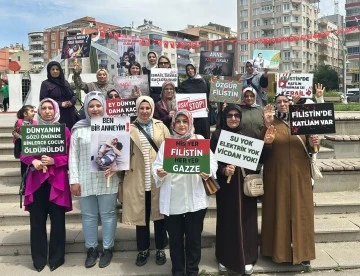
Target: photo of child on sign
(109,155)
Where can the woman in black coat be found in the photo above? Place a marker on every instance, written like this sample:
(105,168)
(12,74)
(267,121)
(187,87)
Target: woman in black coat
(58,89)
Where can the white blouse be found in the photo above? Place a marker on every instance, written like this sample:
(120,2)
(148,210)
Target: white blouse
(181,193)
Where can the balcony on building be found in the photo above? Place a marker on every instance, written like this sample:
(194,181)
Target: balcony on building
(36,42)
(36,60)
(296,59)
(36,34)
(182,52)
(296,24)
(36,51)
(296,1)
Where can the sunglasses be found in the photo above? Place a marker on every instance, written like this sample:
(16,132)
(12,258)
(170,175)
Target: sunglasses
(236,115)
(114,96)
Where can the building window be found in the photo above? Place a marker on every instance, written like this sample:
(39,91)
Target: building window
(52,45)
(244,58)
(286,66)
(52,36)
(243,25)
(286,7)
(286,19)
(45,36)
(244,36)
(243,2)
(216,48)
(45,46)
(243,47)
(286,30)
(229,47)
(45,55)
(286,55)
(61,35)
(18,58)
(53,54)
(244,13)
(112,66)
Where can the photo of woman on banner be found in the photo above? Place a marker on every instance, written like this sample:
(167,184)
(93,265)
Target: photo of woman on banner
(183,201)
(256,80)
(108,155)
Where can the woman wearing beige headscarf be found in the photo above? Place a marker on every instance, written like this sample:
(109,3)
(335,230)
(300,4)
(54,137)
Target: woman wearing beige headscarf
(140,195)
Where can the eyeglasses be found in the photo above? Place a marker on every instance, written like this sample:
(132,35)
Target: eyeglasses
(163,63)
(236,115)
(114,96)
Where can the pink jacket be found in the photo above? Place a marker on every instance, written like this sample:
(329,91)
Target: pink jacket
(56,175)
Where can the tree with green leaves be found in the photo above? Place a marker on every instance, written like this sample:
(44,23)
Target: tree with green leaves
(327,76)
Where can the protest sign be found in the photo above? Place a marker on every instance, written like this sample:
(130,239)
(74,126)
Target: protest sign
(216,63)
(225,91)
(43,139)
(110,143)
(159,75)
(187,156)
(123,107)
(76,46)
(312,118)
(132,86)
(195,103)
(266,59)
(128,50)
(295,84)
(238,150)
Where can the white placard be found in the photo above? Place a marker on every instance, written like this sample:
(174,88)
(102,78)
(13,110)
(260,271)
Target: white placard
(159,75)
(195,103)
(295,84)
(238,150)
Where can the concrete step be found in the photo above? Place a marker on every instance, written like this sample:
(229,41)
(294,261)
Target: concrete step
(7,128)
(9,161)
(331,259)
(5,137)
(325,153)
(10,176)
(6,148)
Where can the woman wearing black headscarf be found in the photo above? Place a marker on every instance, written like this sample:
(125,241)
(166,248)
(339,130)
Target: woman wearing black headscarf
(58,89)
(236,245)
(196,84)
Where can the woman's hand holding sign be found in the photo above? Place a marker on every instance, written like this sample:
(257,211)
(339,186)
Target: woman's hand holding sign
(161,172)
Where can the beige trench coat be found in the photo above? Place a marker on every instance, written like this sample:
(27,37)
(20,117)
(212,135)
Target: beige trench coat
(133,183)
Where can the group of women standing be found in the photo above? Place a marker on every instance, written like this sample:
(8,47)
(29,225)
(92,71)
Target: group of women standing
(176,203)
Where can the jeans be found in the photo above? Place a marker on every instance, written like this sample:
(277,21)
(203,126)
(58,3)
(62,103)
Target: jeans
(91,207)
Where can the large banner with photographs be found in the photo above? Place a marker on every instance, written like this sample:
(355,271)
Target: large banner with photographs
(128,50)
(312,118)
(77,46)
(216,63)
(132,86)
(110,143)
(266,59)
(295,84)
(43,139)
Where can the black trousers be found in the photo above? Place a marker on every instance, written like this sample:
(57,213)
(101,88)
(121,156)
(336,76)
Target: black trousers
(185,257)
(39,211)
(6,104)
(143,232)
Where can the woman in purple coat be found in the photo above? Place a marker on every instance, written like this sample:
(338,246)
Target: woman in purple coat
(166,107)
(47,192)
(58,89)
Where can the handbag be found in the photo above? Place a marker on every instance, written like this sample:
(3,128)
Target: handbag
(211,185)
(253,184)
(315,171)
(23,185)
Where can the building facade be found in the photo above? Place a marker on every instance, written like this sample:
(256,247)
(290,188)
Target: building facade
(352,8)
(279,18)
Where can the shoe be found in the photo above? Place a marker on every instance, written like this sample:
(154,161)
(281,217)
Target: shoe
(142,257)
(53,267)
(249,268)
(91,257)
(39,268)
(105,258)
(305,263)
(160,257)
(222,268)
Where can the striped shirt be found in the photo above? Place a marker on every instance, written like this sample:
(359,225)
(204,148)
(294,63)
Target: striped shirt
(145,148)
(92,183)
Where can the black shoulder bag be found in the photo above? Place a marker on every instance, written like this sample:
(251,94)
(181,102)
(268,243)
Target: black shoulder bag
(151,141)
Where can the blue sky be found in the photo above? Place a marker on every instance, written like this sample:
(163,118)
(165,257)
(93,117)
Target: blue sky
(19,17)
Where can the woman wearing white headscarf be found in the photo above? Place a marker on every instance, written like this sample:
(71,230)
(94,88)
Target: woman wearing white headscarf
(95,196)
(252,78)
(183,201)
(47,192)
(140,195)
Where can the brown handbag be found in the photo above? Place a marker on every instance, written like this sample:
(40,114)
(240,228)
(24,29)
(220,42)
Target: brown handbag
(211,185)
